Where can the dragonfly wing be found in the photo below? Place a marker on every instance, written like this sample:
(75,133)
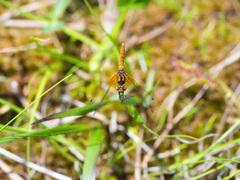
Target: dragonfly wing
(99,104)
(110,82)
(137,88)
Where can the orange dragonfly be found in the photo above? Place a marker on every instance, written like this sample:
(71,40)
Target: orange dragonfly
(121,77)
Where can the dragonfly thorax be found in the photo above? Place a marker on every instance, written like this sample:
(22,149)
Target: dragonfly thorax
(121,80)
(121,72)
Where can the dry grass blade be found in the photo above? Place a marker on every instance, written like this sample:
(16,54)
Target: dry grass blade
(33,165)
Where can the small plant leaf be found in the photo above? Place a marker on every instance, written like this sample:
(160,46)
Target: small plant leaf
(136,116)
(72,112)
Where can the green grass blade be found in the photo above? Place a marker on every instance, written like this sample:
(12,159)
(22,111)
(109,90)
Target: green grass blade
(154,87)
(69,142)
(59,8)
(73,112)
(94,143)
(38,95)
(53,26)
(81,37)
(223,30)
(13,129)
(34,109)
(136,116)
(133,4)
(150,80)
(162,120)
(48,132)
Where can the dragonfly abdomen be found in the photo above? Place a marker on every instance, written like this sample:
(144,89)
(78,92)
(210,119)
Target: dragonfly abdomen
(122,54)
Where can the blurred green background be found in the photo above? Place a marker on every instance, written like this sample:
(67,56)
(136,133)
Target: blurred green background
(54,57)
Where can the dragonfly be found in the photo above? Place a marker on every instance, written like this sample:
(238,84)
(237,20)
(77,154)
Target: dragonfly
(121,78)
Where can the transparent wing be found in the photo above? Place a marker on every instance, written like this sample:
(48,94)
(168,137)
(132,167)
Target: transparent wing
(110,82)
(138,88)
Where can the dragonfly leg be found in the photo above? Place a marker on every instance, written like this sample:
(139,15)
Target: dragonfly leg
(121,96)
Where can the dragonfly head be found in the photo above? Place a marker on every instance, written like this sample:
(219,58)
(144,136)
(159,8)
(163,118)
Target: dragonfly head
(121,72)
